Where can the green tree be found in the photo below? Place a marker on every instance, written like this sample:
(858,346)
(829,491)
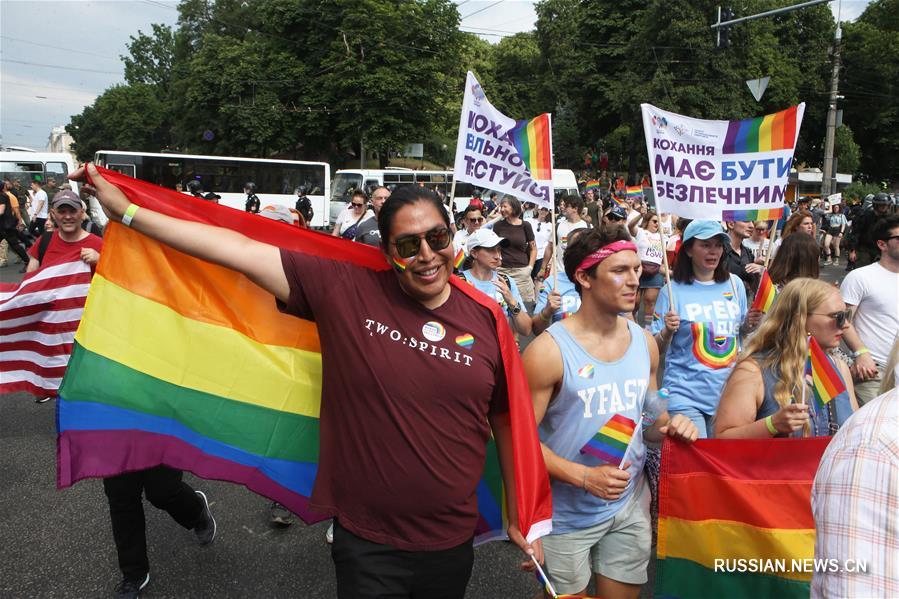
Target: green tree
(870,84)
(124,117)
(848,153)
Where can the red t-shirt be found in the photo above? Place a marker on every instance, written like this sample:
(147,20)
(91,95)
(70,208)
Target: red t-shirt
(405,396)
(60,251)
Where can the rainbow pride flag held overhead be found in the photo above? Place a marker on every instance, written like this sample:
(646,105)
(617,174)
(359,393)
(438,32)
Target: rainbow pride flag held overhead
(736,500)
(591,184)
(764,297)
(188,364)
(533,142)
(617,201)
(610,443)
(752,215)
(826,381)
(762,134)
(634,191)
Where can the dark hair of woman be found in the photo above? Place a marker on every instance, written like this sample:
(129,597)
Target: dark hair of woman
(406,195)
(683,266)
(582,245)
(514,204)
(796,258)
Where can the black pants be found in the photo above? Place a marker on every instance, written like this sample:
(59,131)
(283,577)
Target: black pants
(165,490)
(12,239)
(37,226)
(367,570)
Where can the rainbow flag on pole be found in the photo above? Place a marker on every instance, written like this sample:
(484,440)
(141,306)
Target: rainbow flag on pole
(762,134)
(184,363)
(533,141)
(826,381)
(634,191)
(764,297)
(610,443)
(591,184)
(721,501)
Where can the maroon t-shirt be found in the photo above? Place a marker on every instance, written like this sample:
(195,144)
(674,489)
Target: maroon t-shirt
(405,396)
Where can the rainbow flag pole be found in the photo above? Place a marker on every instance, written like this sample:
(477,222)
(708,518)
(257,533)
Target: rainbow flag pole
(544,580)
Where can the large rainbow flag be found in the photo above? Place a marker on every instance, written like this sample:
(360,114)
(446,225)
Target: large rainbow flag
(826,381)
(533,141)
(184,363)
(722,501)
(762,134)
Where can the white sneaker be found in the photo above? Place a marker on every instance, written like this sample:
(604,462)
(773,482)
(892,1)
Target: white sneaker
(329,535)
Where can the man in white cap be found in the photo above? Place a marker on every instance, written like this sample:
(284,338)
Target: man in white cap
(68,241)
(483,247)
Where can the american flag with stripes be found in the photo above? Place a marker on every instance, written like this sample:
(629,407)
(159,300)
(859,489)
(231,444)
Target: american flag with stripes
(38,319)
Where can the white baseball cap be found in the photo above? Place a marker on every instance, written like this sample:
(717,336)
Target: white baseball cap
(485,238)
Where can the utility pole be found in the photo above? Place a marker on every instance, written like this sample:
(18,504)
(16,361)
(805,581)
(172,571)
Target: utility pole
(829,177)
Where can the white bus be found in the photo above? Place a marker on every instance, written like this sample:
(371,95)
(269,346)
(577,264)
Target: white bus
(346,180)
(276,180)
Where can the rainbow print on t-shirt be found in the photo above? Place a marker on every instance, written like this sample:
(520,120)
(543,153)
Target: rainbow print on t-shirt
(610,443)
(466,340)
(586,372)
(728,295)
(713,351)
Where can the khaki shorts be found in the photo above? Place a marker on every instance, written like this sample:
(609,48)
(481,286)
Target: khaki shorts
(618,548)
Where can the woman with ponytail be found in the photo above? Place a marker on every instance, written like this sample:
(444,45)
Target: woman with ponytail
(764,396)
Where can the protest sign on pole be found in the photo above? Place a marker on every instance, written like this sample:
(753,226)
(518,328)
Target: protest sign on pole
(488,156)
(721,170)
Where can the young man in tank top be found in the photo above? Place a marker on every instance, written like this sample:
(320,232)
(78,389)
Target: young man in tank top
(593,382)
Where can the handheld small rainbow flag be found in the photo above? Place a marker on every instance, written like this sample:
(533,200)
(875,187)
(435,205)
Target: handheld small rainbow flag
(618,201)
(635,191)
(459,259)
(826,381)
(532,140)
(764,297)
(591,184)
(610,443)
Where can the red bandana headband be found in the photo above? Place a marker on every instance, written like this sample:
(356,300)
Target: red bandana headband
(606,251)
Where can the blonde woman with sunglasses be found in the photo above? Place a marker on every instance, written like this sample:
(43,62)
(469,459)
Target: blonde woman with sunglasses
(763,397)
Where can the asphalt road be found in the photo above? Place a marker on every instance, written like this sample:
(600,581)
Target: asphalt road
(59,544)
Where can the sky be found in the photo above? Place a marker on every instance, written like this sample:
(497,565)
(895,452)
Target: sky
(46,78)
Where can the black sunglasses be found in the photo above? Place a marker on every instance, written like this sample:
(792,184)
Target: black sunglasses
(841,318)
(409,245)
(476,220)
(355,205)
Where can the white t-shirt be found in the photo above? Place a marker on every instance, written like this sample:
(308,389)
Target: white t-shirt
(776,246)
(542,234)
(649,246)
(40,197)
(665,224)
(875,292)
(563,229)
(632,215)
(347,219)
(459,241)
(754,246)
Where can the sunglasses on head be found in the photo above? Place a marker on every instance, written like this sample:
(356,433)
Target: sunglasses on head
(841,318)
(409,245)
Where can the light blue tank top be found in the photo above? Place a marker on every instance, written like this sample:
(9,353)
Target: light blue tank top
(591,394)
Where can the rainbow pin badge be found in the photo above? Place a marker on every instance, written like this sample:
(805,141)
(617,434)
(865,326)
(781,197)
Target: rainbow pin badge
(466,340)
(586,372)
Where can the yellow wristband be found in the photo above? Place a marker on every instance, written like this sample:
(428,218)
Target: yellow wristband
(129,214)
(545,319)
(770,425)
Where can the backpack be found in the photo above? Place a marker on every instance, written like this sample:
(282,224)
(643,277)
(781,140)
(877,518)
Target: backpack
(46,238)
